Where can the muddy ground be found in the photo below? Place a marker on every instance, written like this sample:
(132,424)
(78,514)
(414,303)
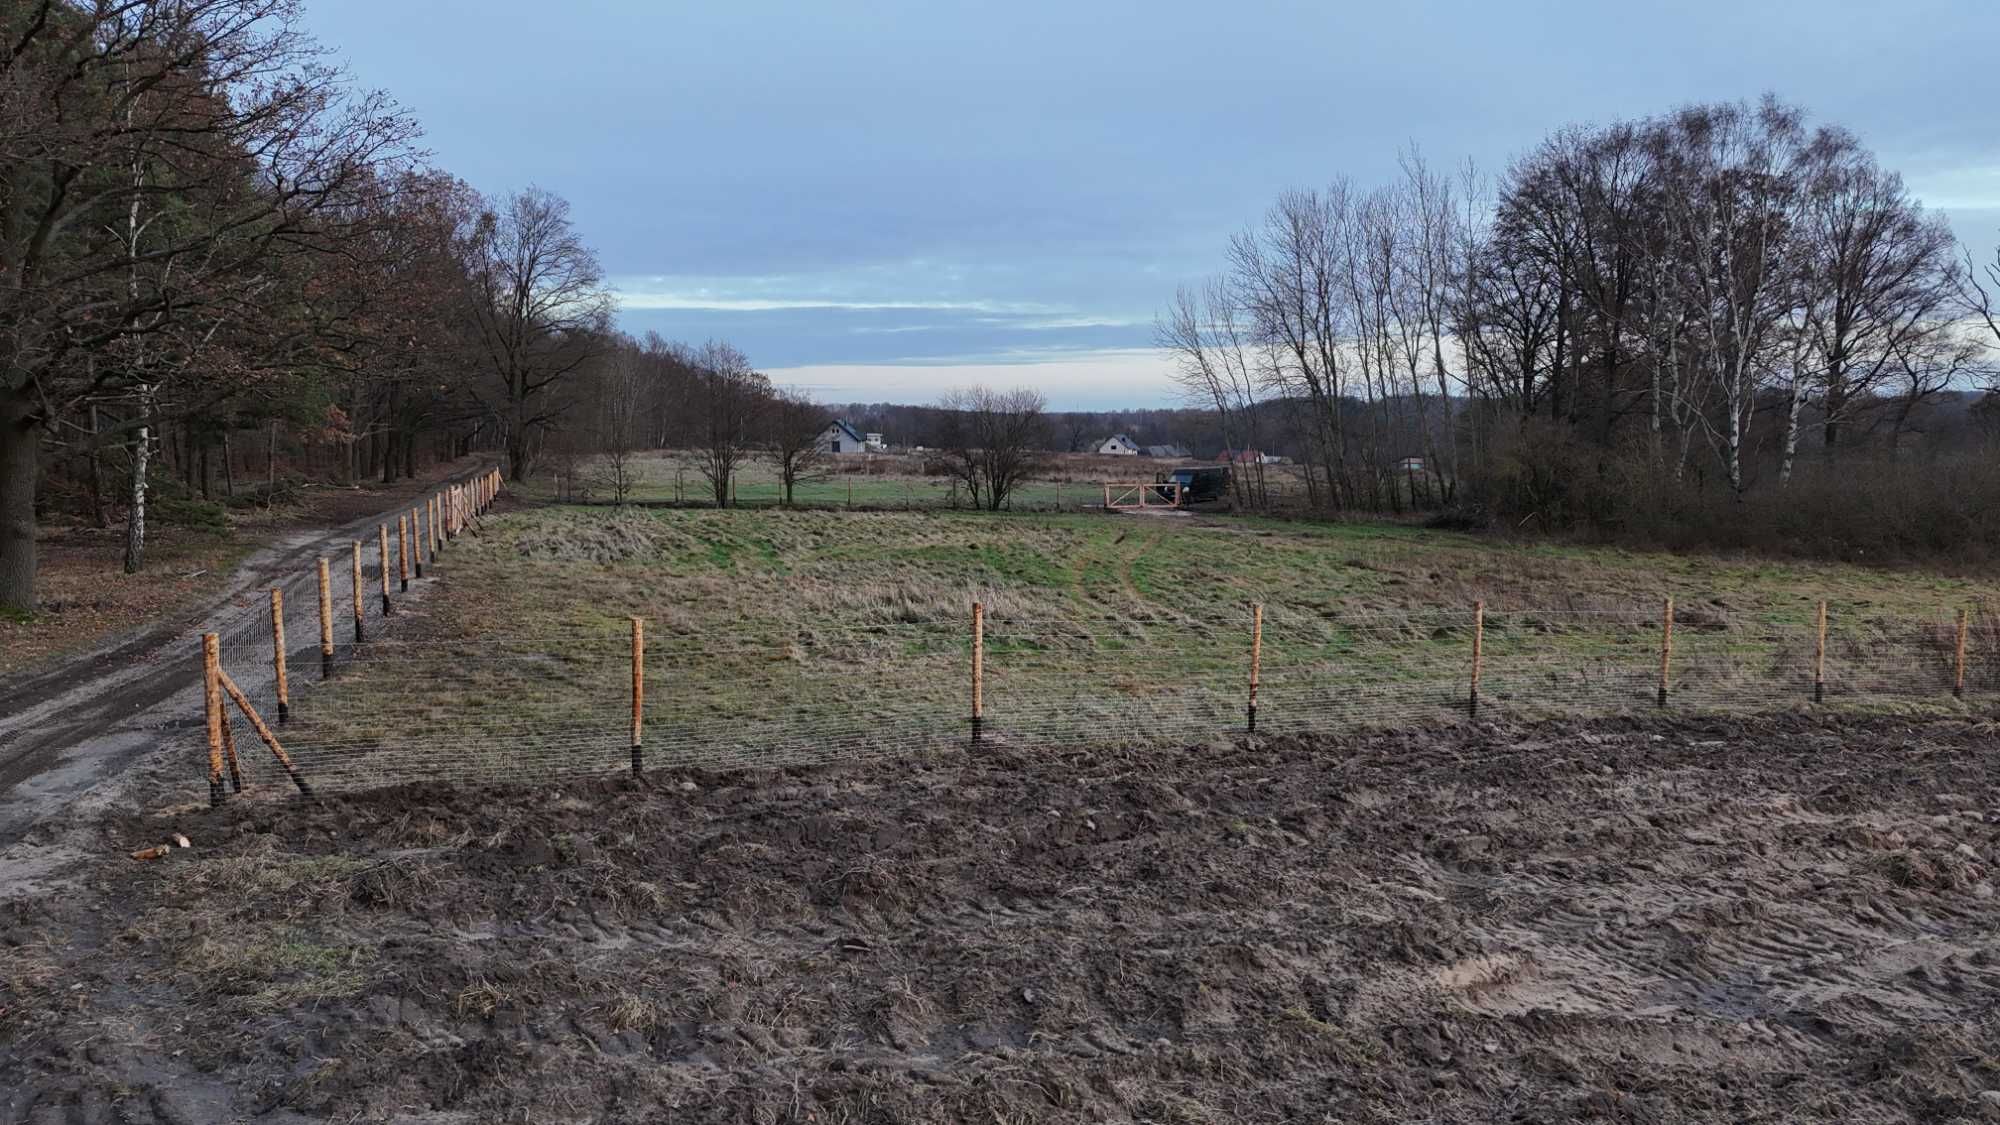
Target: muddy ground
(1781,920)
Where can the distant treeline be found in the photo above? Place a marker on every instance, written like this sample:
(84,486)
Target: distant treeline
(1937,422)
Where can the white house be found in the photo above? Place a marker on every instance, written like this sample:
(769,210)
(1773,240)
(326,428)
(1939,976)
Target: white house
(839,437)
(1118,445)
(874,443)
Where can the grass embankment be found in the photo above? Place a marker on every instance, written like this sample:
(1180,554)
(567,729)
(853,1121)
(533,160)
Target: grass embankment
(831,632)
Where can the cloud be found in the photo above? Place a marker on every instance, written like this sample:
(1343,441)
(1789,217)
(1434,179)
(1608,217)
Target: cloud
(1061,323)
(1958,189)
(1073,379)
(710,303)
(890,286)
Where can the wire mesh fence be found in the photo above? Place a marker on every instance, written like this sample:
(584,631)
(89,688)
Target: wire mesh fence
(561,702)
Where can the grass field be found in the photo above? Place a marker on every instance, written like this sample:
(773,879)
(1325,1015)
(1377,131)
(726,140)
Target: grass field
(786,634)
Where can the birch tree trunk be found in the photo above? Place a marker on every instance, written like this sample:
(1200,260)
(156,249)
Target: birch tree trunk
(135,516)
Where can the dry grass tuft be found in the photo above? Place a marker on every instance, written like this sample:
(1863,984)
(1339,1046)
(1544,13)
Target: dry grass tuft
(634,1013)
(480,999)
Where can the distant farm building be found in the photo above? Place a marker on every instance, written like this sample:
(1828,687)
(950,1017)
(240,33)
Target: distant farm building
(1173,452)
(1411,465)
(839,437)
(874,443)
(1246,457)
(1118,445)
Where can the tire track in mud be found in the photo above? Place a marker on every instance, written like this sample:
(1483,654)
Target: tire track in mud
(1712,948)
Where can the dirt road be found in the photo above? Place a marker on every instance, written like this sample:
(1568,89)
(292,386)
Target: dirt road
(66,728)
(1757,921)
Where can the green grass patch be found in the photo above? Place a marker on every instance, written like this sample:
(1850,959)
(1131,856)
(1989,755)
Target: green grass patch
(767,627)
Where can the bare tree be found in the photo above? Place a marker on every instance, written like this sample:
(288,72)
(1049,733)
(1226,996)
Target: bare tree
(1428,270)
(620,421)
(1982,303)
(1287,276)
(541,310)
(992,440)
(730,400)
(1217,367)
(1875,276)
(1732,196)
(793,427)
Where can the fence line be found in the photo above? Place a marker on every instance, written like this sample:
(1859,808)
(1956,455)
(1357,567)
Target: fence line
(303,605)
(575,700)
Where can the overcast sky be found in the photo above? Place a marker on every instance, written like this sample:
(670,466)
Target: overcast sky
(882,199)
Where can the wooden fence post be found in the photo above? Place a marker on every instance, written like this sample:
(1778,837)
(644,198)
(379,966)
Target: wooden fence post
(978,669)
(1958,659)
(434,507)
(229,751)
(358,634)
(382,552)
(325,622)
(1478,654)
(1819,656)
(278,654)
(417,541)
(638,693)
(403,551)
(263,732)
(1256,658)
(1666,649)
(211,682)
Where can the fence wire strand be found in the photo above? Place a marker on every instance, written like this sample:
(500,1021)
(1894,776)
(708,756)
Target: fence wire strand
(556,703)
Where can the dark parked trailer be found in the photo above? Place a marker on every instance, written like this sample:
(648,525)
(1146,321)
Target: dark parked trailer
(1198,483)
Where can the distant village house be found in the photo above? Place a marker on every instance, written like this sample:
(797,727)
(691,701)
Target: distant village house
(839,437)
(1172,452)
(1118,445)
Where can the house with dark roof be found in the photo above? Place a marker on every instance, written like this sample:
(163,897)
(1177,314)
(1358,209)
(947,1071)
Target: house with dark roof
(1172,452)
(839,437)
